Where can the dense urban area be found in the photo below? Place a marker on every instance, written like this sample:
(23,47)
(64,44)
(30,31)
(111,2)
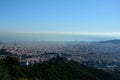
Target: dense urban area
(102,55)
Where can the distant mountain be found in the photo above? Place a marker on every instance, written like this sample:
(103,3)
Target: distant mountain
(115,41)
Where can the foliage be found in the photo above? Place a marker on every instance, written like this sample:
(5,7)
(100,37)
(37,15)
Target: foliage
(55,69)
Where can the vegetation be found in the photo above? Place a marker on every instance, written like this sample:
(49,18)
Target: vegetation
(4,52)
(55,69)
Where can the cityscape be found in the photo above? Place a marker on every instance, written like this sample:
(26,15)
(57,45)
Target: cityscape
(59,39)
(102,55)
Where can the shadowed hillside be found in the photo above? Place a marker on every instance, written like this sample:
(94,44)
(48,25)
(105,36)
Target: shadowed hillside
(54,69)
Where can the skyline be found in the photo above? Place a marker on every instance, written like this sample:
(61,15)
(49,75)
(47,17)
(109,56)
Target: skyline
(64,17)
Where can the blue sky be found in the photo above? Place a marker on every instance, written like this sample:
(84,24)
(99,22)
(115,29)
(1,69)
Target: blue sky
(60,16)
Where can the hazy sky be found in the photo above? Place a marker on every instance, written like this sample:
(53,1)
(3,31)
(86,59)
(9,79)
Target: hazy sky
(60,16)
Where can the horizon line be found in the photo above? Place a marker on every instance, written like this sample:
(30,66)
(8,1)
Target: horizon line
(68,33)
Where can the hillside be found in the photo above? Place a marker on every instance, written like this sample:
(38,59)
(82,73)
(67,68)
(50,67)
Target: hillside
(55,69)
(115,41)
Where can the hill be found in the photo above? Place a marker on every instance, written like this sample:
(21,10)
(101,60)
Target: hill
(115,41)
(55,69)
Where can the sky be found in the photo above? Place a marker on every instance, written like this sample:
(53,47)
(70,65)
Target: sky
(60,17)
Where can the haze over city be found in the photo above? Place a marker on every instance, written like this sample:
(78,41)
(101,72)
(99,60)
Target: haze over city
(59,39)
